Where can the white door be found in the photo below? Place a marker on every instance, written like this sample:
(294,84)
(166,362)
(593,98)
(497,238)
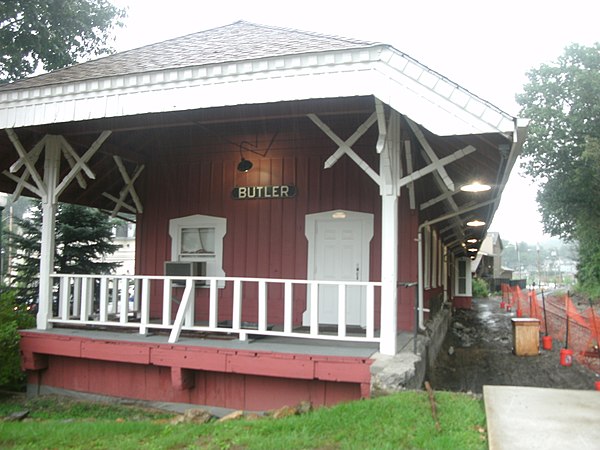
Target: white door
(339,251)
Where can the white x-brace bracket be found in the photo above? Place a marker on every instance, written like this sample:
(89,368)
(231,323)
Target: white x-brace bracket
(128,189)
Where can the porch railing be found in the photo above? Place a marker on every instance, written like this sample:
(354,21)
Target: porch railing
(124,302)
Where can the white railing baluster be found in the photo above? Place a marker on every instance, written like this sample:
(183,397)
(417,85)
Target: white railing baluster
(213,305)
(76,297)
(136,295)
(124,302)
(236,319)
(262,305)
(85,292)
(115,295)
(287,307)
(190,310)
(342,310)
(370,316)
(314,308)
(103,315)
(181,311)
(65,298)
(145,306)
(166,309)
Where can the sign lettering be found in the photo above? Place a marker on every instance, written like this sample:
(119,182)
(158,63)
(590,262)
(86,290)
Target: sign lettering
(256,192)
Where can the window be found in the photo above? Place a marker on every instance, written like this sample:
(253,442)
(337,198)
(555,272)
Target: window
(463,277)
(199,238)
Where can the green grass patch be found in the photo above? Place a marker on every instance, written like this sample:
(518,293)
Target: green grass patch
(400,421)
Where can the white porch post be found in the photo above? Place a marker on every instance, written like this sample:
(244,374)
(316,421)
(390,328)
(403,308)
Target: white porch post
(51,171)
(389,273)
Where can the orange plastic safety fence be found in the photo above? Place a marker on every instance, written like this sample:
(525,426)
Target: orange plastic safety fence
(573,327)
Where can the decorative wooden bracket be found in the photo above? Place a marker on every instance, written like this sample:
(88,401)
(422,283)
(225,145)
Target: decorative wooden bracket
(409,169)
(344,147)
(430,155)
(129,189)
(29,159)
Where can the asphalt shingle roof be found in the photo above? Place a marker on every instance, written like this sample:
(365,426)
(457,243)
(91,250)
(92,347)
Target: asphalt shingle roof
(238,41)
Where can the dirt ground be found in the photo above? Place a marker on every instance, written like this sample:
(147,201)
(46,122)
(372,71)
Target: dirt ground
(478,351)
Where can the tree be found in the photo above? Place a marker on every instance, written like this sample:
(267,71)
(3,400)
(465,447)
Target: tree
(83,238)
(563,150)
(53,34)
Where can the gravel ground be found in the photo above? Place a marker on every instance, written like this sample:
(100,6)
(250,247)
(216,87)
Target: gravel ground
(478,351)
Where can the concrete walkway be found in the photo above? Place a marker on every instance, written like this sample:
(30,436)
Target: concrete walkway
(539,418)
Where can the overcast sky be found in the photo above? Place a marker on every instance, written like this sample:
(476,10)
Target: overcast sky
(485,46)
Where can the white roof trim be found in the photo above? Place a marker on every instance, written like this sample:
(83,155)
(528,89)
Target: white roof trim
(409,87)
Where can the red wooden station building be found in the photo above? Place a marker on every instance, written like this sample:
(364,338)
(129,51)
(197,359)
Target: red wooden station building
(301,202)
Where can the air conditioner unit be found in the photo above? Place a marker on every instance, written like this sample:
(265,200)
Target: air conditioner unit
(186,269)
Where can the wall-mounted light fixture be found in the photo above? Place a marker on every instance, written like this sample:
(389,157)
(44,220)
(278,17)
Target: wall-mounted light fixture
(245,164)
(472,249)
(472,241)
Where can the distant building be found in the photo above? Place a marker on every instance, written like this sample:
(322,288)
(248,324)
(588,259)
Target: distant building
(488,262)
(124,236)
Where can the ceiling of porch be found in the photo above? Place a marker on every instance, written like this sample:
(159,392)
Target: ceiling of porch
(138,139)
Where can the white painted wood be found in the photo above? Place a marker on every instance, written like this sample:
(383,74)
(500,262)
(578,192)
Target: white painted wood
(51,174)
(145,305)
(436,166)
(262,306)
(114,296)
(22,181)
(287,307)
(64,298)
(314,308)
(380,125)
(103,299)
(341,310)
(129,181)
(361,130)
(346,149)
(85,299)
(338,250)
(236,318)
(190,310)
(427,97)
(446,195)
(213,314)
(389,274)
(433,159)
(77,297)
(181,312)
(370,329)
(167,301)
(124,300)
(54,157)
(409,171)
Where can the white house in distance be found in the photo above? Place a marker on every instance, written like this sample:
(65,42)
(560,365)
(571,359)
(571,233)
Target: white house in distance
(303,204)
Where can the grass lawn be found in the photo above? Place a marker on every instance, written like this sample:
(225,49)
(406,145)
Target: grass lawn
(400,421)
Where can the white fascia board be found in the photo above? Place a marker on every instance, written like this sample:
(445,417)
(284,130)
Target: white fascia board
(411,89)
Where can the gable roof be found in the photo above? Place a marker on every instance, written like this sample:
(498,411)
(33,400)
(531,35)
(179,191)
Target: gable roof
(245,63)
(239,41)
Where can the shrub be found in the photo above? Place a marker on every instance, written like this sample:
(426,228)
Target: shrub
(480,288)
(12,319)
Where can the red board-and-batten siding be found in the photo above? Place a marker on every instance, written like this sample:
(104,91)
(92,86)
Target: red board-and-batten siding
(266,237)
(220,377)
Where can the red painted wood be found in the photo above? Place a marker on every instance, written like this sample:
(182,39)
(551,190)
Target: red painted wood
(249,379)
(462,302)
(338,371)
(33,361)
(182,379)
(189,357)
(50,344)
(115,351)
(273,367)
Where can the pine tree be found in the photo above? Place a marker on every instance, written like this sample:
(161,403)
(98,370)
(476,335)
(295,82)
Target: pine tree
(83,238)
